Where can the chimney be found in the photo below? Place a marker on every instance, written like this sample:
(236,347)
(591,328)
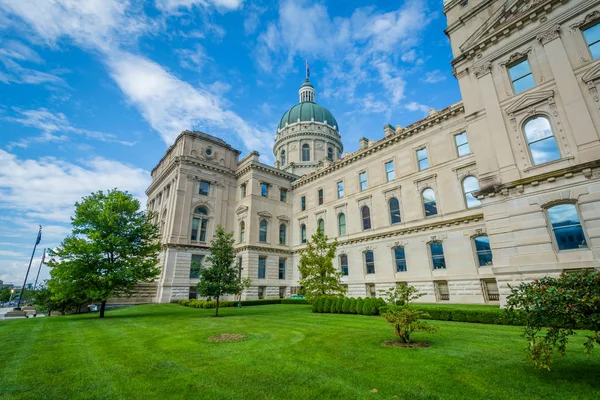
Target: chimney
(364,142)
(388,130)
(399,129)
(432,111)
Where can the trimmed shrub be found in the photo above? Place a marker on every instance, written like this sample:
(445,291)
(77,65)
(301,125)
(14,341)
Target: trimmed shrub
(383,309)
(315,306)
(294,301)
(321,301)
(369,306)
(359,305)
(352,308)
(327,305)
(184,302)
(346,305)
(339,304)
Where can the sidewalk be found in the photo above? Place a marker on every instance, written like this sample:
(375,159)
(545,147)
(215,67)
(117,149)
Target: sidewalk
(7,309)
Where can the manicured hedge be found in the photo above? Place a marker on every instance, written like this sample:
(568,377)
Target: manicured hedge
(226,303)
(463,314)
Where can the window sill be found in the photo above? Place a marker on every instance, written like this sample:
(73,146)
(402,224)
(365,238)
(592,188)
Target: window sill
(564,160)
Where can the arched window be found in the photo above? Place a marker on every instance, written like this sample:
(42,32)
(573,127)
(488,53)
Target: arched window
(344,264)
(470,185)
(437,255)
(199,224)
(400,258)
(303,233)
(330,153)
(483,250)
(342,224)
(366,217)
(394,211)
(242,231)
(282,233)
(282,158)
(429,203)
(305,152)
(541,141)
(370,262)
(262,231)
(321,225)
(566,227)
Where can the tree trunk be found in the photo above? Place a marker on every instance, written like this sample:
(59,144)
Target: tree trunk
(102,307)
(217,309)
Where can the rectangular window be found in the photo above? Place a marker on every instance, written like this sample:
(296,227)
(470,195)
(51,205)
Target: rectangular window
(193,293)
(282,268)
(204,188)
(320,194)
(592,37)
(521,76)
(340,189)
(437,255)
(389,171)
(370,262)
(203,226)
(462,145)
(195,266)
(264,189)
(303,203)
(344,264)
(195,225)
(243,187)
(362,177)
(261,292)
(240,266)
(283,195)
(422,159)
(400,259)
(262,267)
(441,288)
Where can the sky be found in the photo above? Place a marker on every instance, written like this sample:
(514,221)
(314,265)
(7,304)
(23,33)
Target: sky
(92,92)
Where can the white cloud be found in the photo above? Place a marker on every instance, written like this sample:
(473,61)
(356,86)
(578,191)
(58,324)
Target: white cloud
(171,105)
(47,188)
(174,5)
(50,124)
(193,59)
(359,51)
(434,77)
(414,106)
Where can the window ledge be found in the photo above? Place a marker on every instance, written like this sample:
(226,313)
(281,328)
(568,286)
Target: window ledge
(564,160)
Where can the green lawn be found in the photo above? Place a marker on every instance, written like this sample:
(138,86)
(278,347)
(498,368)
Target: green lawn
(162,352)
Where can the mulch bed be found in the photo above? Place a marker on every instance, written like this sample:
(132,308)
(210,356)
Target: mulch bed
(227,337)
(410,345)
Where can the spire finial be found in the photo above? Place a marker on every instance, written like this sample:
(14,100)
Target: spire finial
(307,70)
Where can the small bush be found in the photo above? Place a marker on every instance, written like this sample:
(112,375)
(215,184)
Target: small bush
(294,301)
(321,306)
(327,305)
(339,304)
(184,302)
(370,306)
(359,305)
(346,305)
(383,309)
(352,308)
(315,306)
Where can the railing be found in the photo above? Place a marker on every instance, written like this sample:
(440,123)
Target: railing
(444,296)
(494,296)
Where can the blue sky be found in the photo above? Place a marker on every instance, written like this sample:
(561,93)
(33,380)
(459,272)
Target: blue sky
(93,92)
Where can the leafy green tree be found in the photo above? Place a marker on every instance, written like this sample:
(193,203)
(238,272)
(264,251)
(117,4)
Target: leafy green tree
(5,295)
(553,308)
(402,314)
(113,247)
(318,275)
(221,277)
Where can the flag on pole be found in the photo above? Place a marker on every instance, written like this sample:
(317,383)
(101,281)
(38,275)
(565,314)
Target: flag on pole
(39,237)
(44,256)
(307,69)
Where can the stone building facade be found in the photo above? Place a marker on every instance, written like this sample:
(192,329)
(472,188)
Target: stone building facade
(501,187)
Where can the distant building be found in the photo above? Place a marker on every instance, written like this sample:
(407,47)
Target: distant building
(499,188)
(6,285)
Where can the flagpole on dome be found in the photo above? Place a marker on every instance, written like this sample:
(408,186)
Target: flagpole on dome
(307,70)
(37,241)
(39,269)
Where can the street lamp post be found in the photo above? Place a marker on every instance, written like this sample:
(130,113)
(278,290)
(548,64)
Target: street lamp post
(12,291)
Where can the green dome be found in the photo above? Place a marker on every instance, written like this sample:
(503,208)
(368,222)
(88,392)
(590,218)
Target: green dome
(308,111)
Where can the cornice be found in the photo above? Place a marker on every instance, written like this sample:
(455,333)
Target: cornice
(585,169)
(419,126)
(265,168)
(294,135)
(263,249)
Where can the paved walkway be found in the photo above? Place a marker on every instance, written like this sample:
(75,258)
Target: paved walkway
(7,309)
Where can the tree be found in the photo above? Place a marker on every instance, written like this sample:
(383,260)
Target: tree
(221,277)
(552,308)
(402,314)
(318,275)
(113,246)
(5,294)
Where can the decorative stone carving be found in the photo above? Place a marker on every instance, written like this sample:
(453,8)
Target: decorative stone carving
(592,78)
(552,33)
(517,55)
(593,16)
(283,218)
(393,192)
(265,214)
(483,69)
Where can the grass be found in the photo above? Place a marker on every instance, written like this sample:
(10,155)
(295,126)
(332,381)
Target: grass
(162,352)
